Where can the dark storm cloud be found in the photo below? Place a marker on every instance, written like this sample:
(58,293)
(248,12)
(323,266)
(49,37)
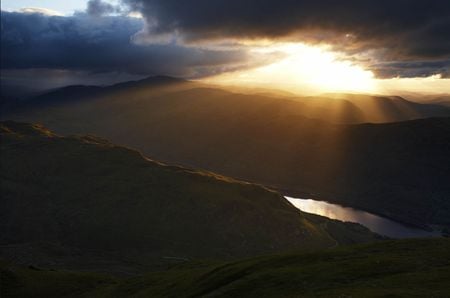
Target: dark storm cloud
(101,44)
(412,69)
(99,8)
(400,29)
(399,38)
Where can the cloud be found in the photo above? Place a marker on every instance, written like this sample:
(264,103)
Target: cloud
(402,38)
(412,69)
(100,8)
(103,44)
(40,10)
(398,30)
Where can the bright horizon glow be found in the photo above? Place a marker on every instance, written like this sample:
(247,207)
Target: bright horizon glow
(427,85)
(306,69)
(303,66)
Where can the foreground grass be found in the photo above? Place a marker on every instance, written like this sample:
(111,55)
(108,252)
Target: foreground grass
(400,268)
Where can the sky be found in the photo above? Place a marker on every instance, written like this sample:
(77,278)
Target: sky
(299,45)
(67,7)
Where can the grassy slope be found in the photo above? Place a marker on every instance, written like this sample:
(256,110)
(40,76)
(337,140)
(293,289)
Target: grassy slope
(73,195)
(397,169)
(402,268)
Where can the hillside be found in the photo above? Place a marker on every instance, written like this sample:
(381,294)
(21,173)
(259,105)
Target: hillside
(398,170)
(82,202)
(406,268)
(360,108)
(335,108)
(79,93)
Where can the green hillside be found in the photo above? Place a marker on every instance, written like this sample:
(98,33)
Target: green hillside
(402,268)
(83,202)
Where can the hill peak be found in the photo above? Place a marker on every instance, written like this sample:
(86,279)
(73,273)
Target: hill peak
(162,79)
(151,81)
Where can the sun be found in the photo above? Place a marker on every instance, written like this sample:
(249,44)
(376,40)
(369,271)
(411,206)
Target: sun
(304,68)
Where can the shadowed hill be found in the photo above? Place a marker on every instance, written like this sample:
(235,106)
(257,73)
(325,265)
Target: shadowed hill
(68,200)
(442,100)
(79,93)
(359,108)
(406,268)
(398,170)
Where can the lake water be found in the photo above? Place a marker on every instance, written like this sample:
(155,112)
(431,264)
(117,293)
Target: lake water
(375,223)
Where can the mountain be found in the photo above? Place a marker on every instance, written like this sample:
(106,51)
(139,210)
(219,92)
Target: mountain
(399,170)
(377,109)
(436,99)
(335,108)
(82,202)
(77,93)
(442,100)
(401,268)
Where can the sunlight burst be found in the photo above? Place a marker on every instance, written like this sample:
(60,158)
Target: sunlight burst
(304,66)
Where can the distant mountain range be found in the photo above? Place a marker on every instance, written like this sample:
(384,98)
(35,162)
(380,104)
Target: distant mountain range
(84,203)
(442,100)
(318,147)
(360,108)
(336,108)
(82,92)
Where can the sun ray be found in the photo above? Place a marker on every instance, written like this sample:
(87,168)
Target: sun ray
(304,67)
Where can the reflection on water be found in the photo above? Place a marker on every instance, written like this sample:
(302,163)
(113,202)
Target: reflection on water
(377,224)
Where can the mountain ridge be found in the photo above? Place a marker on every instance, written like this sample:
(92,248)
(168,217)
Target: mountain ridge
(333,107)
(109,203)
